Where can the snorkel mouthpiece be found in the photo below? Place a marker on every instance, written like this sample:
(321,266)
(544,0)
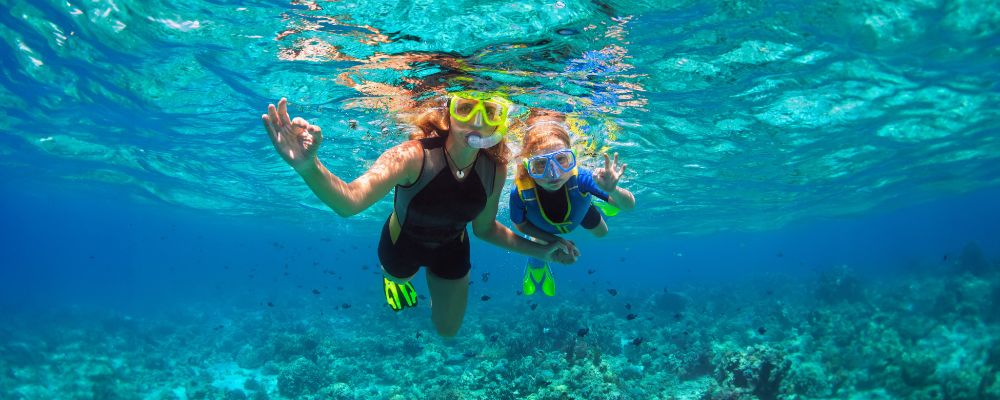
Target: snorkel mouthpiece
(480,142)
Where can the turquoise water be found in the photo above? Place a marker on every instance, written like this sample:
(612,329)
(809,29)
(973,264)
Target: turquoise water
(816,188)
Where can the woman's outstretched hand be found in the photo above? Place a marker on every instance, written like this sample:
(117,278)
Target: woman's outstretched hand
(295,139)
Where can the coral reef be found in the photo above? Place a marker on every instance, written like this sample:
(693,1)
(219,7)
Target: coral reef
(927,336)
(757,370)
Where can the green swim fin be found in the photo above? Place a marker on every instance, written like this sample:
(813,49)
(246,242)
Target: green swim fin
(537,272)
(399,296)
(606,208)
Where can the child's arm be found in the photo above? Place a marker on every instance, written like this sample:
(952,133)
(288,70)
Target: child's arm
(607,180)
(621,198)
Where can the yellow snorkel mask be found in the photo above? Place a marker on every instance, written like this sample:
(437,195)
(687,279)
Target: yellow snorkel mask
(481,109)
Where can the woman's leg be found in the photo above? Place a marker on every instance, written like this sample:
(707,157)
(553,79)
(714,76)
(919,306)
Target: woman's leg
(449,298)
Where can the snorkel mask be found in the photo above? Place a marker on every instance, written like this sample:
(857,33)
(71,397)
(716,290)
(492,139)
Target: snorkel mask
(551,165)
(481,109)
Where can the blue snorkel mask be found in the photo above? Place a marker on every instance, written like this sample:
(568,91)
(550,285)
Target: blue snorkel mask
(551,165)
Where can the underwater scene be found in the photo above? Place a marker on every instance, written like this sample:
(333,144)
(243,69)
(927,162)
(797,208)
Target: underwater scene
(545,200)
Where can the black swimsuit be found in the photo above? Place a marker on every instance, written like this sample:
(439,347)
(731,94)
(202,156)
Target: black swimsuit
(433,213)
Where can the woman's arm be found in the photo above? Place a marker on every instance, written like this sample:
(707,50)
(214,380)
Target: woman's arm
(297,142)
(530,229)
(398,165)
(486,227)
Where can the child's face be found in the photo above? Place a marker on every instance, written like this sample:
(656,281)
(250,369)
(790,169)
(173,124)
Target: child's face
(549,145)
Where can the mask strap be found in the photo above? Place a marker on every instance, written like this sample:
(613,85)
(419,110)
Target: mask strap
(561,125)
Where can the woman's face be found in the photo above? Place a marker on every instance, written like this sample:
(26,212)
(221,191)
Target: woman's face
(462,130)
(550,144)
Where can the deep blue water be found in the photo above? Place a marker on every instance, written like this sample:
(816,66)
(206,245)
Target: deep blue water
(95,247)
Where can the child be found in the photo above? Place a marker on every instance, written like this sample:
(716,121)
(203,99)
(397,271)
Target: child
(553,194)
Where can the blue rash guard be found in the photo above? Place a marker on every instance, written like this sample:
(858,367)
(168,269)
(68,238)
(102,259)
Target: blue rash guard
(526,203)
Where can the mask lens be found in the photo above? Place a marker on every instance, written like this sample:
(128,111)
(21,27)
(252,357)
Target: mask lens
(493,111)
(565,160)
(536,166)
(464,107)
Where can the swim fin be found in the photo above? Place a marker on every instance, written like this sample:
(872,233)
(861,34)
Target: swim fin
(537,272)
(399,296)
(607,208)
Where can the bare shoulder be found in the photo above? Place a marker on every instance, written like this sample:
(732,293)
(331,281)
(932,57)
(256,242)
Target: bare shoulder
(410,156)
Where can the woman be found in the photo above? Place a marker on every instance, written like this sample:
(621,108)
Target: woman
(554,196)
(449,174)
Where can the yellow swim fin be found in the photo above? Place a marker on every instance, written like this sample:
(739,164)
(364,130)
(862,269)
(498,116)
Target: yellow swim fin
(537,272)
(399,296)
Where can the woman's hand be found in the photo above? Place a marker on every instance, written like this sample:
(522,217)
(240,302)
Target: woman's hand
(607,177)
(561,251)
(295,140)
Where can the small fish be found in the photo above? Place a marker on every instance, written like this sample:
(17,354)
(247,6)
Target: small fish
(637,341)
(519,293)
(628,306)
(364,267)
(781,254)
(226,267)
(614,292)
(485,297)
(770,292)
(631,317)
(486,277)
(316,291)
(270,304)
(219,327)
(417,335)
(762,330)
(591,271)
(622,259)
(340,288)
(678,316)
(534,306)
(945,258)
(421,297)
(345,306)
(493,338)
(567,32)
(582,332)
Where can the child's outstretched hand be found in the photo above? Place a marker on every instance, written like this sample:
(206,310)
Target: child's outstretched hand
(607,177)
